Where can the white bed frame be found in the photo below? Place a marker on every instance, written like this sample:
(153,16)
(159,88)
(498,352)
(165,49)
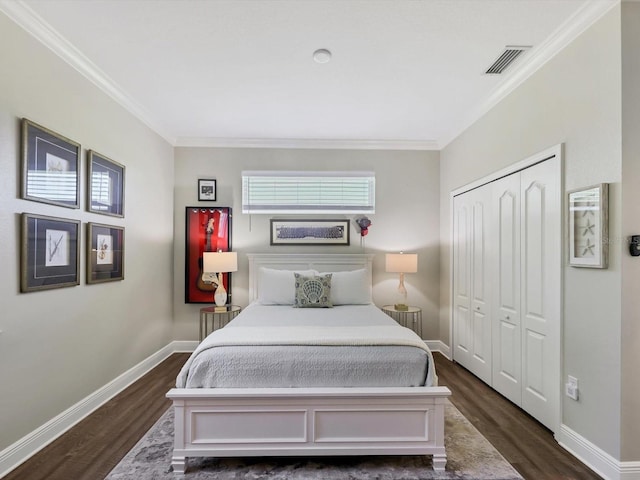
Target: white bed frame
(234,422)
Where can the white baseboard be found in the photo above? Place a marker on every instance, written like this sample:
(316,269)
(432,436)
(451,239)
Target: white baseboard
(33,442)
(184,346)
(596,458)
(439,346)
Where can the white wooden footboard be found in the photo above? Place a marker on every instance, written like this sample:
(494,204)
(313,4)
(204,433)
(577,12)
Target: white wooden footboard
(232,422)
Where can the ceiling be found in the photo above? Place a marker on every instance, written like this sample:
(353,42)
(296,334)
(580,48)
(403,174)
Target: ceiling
(404,74)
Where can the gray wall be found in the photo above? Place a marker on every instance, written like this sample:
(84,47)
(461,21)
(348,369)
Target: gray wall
(58,346)
(630,226)
(406,218)
(574,99)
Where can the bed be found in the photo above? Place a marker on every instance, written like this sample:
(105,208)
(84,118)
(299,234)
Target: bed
(279,380)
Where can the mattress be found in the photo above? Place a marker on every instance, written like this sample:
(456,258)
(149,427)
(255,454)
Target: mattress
(271,346)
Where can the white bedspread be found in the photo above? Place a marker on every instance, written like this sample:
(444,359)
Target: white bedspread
(284,326)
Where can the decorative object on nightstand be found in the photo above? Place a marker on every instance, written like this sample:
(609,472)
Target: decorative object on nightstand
(219,317)
(401,263)
(410,318)
(218,263)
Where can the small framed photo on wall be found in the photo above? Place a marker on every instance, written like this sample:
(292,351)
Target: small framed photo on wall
(105,190)
(589,226)
(50,166)
(50,253)
(206,190)
(105,253)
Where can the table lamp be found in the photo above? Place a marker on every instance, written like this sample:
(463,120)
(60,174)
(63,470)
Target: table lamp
(219,263)
(401,263)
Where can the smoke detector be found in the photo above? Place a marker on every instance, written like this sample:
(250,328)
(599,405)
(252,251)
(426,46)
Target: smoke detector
(322,55)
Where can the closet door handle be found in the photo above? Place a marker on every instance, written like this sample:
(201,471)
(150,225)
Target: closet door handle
(506,317)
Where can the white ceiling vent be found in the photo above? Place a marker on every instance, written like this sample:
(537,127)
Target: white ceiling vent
(510,54)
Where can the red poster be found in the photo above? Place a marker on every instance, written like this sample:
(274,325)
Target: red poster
(208,230)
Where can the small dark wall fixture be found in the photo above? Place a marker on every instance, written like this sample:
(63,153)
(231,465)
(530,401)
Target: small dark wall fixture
(634,245)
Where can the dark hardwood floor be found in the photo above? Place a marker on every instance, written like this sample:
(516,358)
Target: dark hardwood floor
(95,445)
(91,449)
(522,440)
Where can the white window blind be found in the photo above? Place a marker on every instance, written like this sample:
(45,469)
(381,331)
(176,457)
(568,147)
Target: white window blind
(308,192)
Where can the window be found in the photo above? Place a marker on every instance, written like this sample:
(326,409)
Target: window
(308,192)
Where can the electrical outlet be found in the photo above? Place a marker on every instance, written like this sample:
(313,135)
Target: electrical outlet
(571,388)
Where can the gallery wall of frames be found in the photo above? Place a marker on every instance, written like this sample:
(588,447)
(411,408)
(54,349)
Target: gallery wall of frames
(50,245)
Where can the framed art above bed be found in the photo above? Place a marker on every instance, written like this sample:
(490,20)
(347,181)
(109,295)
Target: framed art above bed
(310,232)
(207,230)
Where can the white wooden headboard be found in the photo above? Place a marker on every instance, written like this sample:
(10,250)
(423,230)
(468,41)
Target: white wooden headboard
(322,262)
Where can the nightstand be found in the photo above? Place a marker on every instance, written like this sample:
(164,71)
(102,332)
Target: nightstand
(217,316)
(411,318)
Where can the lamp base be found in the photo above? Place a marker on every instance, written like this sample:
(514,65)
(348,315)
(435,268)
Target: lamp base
(220,297)
(401,307)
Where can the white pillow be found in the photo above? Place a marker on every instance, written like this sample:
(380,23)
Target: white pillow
(351,288)
(277,287)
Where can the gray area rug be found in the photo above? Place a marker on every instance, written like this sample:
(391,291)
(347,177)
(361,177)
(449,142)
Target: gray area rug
(469,456)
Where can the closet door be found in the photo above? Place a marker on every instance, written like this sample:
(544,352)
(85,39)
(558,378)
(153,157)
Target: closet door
(541,237)
(462,346)
(507,286)
(472,298)
(506,332)
(481,283)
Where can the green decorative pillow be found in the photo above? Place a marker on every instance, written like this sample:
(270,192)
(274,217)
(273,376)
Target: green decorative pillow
(313,291)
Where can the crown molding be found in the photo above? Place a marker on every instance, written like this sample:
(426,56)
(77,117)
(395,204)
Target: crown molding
(314,143)
(566,33)
(30,21)
(35,25)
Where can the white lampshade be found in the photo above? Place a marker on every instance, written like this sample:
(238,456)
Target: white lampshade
(219,262)
(401,262)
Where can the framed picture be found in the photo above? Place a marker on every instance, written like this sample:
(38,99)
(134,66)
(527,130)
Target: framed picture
(310,232)
(50,254)
(105,253)
(50,166)
(589,226)
(207,230)
(206,190)
(105,185)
